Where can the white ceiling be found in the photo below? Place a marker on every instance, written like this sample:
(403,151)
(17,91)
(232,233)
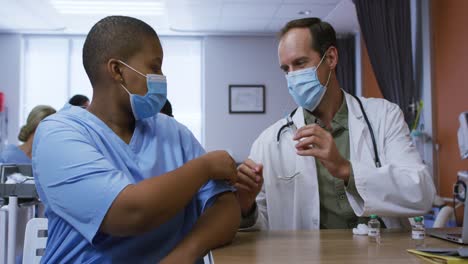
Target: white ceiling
(184,17)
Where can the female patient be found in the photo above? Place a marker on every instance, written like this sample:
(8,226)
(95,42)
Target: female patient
(122,183)
(22,154)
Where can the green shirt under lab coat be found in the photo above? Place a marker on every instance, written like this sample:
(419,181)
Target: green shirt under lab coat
(335,210)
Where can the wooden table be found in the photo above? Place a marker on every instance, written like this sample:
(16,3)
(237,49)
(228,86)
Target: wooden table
(324,246)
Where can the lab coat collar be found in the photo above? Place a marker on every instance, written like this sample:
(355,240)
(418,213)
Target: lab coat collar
(298,118)
(353,106)
(357,126)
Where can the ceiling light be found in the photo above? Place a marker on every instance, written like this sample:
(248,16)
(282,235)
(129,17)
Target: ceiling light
(109,7)
(304,12)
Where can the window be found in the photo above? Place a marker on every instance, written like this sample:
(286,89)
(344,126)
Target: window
(53,72)
(45,73)
(182,66)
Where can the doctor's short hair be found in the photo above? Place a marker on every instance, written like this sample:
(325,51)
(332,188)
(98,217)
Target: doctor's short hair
(323,34)
(118,37)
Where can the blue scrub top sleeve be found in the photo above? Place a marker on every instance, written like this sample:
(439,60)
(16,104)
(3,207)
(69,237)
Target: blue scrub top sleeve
(206,196)
(78,182)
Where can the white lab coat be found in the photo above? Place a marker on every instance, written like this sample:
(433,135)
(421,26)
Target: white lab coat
(401,188)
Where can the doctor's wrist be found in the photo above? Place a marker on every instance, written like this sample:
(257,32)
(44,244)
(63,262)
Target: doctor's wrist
(343,171)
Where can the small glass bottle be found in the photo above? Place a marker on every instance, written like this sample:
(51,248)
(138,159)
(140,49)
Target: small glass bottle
(418,232)
(374,229)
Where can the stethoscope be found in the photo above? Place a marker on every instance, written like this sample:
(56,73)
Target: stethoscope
(290,123)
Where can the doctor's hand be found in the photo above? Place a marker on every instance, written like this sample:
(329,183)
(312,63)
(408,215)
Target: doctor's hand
(317,142)
(249,184)
(221,166)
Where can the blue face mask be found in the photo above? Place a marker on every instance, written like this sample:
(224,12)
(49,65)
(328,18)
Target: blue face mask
(152,102)
(305,87)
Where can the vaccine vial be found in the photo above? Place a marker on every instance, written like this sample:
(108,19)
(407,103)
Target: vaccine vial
(374,229)
(418,232)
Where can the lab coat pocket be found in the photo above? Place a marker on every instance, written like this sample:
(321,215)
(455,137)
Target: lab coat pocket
(289,168)
(285,159)
(289,177)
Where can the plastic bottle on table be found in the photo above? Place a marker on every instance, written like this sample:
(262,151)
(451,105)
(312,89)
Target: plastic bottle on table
(418,232)
(374,229)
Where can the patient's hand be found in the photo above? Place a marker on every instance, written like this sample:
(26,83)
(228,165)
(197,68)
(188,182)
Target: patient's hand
(249,183)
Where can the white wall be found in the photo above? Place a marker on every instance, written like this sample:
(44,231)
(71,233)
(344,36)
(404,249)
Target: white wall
(241,60)
(10,76)
(227,60)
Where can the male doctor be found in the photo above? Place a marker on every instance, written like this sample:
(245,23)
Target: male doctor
(321,170)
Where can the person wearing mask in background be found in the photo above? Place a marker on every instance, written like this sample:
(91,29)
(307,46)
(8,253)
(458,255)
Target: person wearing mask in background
(22,154)
(336,159)
(120,182)
(167,109)
(79,100)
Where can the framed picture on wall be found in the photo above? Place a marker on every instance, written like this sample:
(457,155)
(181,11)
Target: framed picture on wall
(246,99)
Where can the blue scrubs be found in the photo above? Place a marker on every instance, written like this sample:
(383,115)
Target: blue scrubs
(81,166)
(13,154)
